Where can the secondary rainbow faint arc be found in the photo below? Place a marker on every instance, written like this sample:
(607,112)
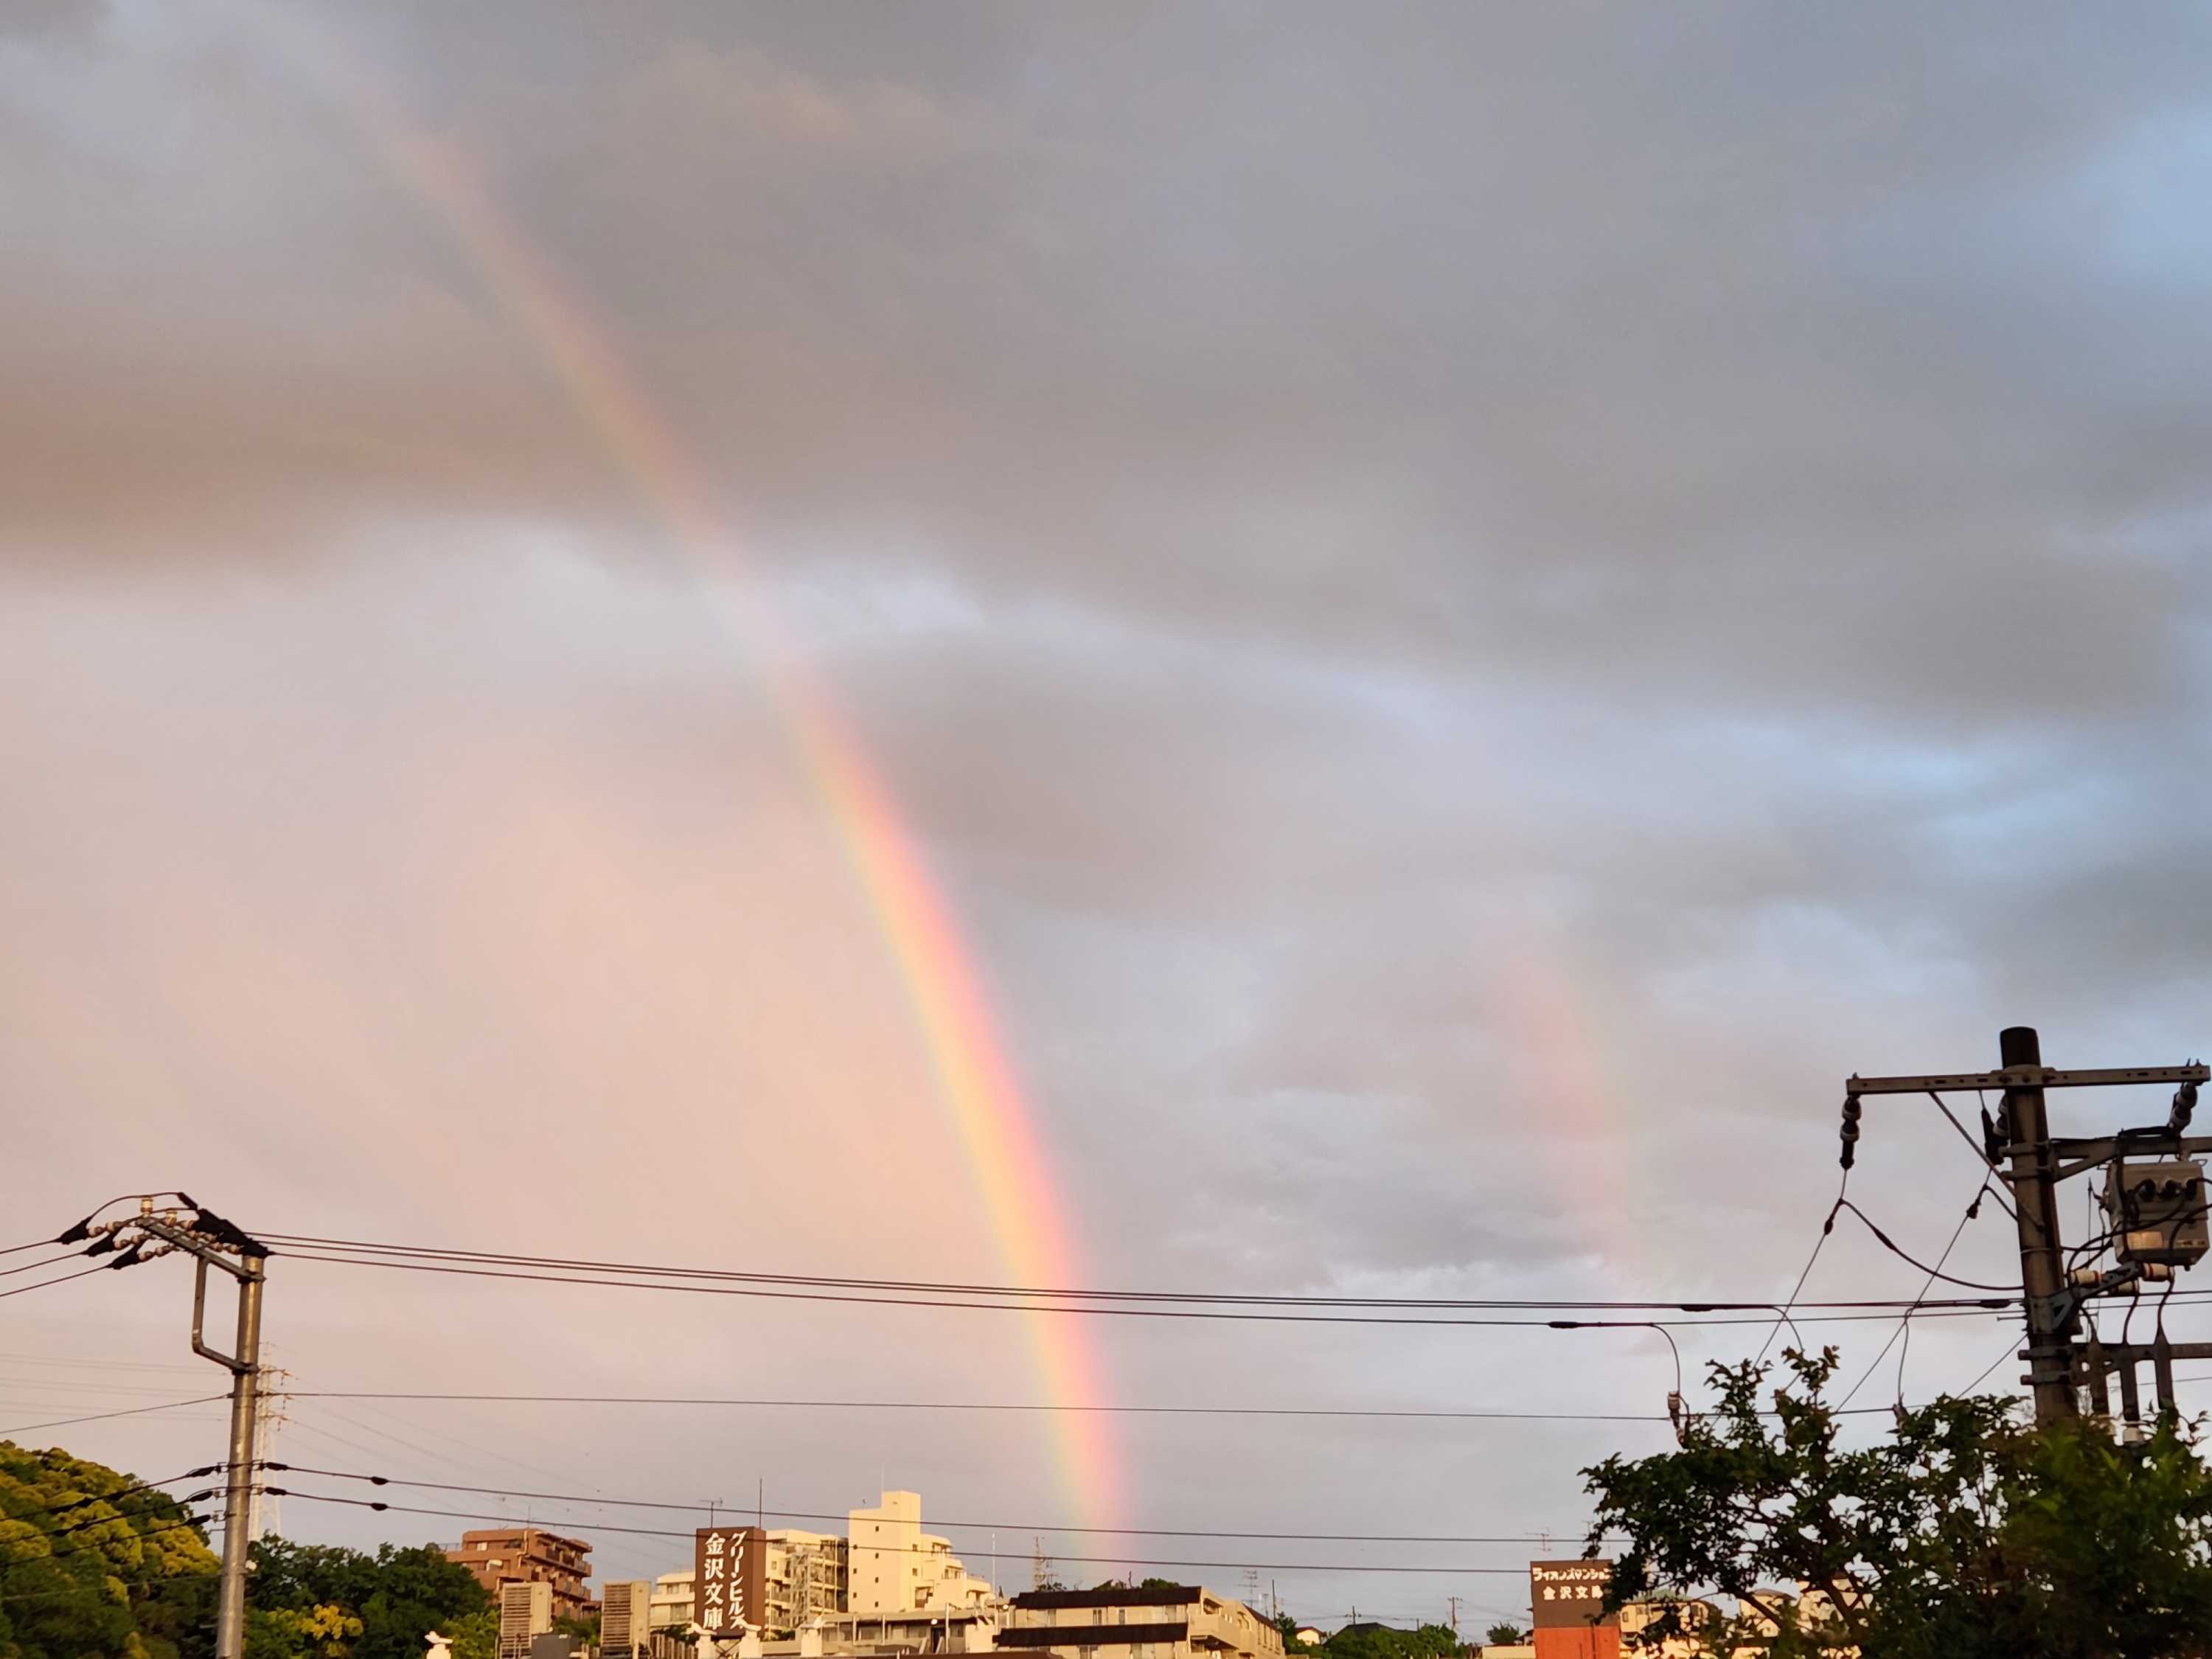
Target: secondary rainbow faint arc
(966,1053)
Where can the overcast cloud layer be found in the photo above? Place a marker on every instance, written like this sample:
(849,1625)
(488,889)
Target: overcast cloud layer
(1472,605)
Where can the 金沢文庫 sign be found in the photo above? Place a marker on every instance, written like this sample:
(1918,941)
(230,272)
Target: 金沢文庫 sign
(1563,1593)
(729,1584)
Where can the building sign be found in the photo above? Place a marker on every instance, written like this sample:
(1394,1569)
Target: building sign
(730,1577)
(1569,1593)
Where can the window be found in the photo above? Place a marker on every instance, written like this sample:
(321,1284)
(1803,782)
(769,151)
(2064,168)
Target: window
(1097,1615)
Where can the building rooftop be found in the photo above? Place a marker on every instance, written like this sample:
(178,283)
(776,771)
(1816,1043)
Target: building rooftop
(1166,1595)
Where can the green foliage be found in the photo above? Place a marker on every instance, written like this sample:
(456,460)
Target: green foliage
(475,1636)
(1370,1641)
(1961,1534)
(394,1596)
(578,1626)
(1502,1635)
(119,1576)
(319,1632)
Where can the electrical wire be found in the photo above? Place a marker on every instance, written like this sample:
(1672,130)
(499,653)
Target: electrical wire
(1827,1226)
(441,1254)
(1385,1413)
(92,1521)
(1904,1323)
(1080,1561)
(1935,1273)
(687,1504)
(196,1521)
(1981,1153)
(137,1486)
(32,1267)
(1978,1382)
(101,1417)
(1944,1308)
(81,1273)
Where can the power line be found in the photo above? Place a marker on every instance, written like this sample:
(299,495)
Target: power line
(1981,1153)
(1986,1370)
(1933,1272)
(1081,1560)
(978,1526)
(101,1417)
(25,1290)
(423,1257)
(190,1521)
(130,1491)
(1827,1226)
(1905,1324)
(1948,1308)
(1385,1413)
(32,1267)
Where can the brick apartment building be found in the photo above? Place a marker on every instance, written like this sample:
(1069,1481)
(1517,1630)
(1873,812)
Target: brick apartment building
(529,1555)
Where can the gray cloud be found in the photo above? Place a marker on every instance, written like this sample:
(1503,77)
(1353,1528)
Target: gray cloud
(1472,610)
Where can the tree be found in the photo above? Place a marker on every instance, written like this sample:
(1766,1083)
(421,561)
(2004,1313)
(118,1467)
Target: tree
(578,1626)
(319,1632)
(394,1596)
(1373,1641)
(93,1564)
(1503,1635)
(475,1636)
(1961,1534)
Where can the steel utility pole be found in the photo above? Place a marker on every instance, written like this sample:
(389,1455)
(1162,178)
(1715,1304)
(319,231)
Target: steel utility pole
(212,1240)
(2051,1297)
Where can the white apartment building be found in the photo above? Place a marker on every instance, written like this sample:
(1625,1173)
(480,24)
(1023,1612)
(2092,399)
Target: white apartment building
(893,1566)
(673,1601)
(1181,1621)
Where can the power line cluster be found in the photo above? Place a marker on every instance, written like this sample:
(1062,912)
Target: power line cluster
(1014,1526)
(1159,1304)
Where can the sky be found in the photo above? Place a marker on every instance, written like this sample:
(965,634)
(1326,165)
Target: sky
(1466,608)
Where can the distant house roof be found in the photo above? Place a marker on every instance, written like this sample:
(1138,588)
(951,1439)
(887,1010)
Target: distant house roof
(1170,1596)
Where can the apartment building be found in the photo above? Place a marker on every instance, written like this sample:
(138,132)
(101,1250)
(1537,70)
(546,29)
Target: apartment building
(625,1617)
(525,1613)
(807,1574)
(889,1635)
(893,1566)
(1179,1621)
(529,1555)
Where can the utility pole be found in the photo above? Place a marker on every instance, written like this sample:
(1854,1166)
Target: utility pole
(213,1242)
(2051,1313)
(2020,1151)
(1454,1600)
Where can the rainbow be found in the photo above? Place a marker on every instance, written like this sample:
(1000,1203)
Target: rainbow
(975,1078)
